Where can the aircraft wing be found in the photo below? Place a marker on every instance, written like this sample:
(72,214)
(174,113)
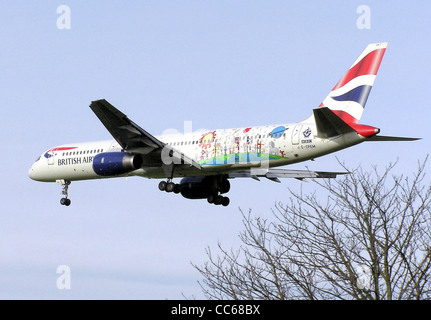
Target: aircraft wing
(132,137)
(274,174)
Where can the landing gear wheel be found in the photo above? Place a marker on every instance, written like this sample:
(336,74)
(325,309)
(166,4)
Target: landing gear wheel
(210,199)
(162,185)
(218,200)
(170,186)
(225,201)
(177,188)
(65,202)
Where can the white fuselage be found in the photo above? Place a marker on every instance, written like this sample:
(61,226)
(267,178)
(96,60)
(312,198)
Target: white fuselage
(219,151)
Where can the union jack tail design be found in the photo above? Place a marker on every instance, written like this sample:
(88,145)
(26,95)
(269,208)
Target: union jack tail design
(347,99)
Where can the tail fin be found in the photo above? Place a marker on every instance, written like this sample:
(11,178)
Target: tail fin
(347,99)
(341,110)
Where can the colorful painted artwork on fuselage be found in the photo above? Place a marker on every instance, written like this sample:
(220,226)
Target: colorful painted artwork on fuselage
(249,145)
(239,158)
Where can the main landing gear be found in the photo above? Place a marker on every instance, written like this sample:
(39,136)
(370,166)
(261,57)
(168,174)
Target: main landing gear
(200,187)
(219,200)
(209,188)
(65,185)
(169,186)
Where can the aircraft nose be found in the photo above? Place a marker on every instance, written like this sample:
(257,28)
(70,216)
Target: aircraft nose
(32,173)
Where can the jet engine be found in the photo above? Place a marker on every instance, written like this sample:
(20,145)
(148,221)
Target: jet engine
(116,163)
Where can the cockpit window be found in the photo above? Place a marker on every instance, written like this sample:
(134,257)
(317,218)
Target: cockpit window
(37,159)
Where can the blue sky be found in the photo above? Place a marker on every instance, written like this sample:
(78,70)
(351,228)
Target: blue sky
(219,64)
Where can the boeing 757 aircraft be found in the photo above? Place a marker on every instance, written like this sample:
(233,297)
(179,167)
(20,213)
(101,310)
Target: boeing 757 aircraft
(206,160)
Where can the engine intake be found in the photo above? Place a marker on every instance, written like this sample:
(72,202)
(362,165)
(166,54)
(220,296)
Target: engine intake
(116,163)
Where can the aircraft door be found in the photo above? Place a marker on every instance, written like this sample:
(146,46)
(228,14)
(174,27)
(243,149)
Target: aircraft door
(296,134)
(51,160)
(50,155)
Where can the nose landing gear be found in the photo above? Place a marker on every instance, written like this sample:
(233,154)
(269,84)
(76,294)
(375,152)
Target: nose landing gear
(65,185)
(65,202)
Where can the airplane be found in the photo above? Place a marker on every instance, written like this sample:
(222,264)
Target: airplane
(207,160)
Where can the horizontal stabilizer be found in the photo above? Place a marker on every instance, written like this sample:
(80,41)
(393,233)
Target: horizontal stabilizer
(389,138)
(329,124)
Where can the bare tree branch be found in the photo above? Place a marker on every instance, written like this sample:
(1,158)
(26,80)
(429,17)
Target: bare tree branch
(369,238)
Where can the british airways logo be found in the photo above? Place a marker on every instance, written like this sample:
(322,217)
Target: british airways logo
(50,153)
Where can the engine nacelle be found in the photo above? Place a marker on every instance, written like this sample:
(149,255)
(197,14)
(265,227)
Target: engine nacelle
(203,187)
(116,163)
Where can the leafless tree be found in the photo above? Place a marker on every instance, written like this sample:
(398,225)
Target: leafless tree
(370,238)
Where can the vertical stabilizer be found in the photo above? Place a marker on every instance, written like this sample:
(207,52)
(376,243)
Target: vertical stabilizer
(349,96)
